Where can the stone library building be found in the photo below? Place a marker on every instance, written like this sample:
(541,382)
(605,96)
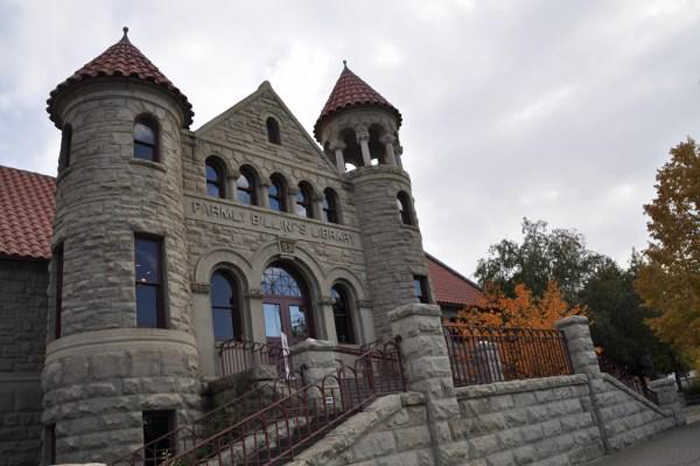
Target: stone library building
(156,245)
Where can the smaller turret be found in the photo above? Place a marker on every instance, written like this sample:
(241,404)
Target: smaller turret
(358,126)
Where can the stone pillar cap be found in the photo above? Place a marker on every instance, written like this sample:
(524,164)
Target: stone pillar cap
(572,320)
(311,344)
(414,309)
(661,382)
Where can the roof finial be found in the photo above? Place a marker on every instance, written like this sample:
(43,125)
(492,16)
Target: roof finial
(126,30)
(345,63)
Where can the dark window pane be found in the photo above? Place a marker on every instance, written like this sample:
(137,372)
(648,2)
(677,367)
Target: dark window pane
(212,173)
(273,325)
(147,256)
(155,425)
(244,197)
(221,291)
(143,133)
(275,204)
(298,320)
(142,151)
(274,190)
(420,288)
(213,190)
(223,323)
(273,131)
(147,306)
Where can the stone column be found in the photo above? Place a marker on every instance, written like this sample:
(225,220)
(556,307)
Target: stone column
(263,200)
(580,345)
(585,361)
(256,317)
(363,139)
(398,153)
(388,140)
(232,185)
(291,199)
(667,395)
(338,148)
(317,206)
(327,321)
(427,369)
(316,359)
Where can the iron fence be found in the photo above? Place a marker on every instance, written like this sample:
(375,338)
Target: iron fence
(236,356)
(481,355)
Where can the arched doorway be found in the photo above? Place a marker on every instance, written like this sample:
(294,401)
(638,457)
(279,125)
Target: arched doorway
(285,305)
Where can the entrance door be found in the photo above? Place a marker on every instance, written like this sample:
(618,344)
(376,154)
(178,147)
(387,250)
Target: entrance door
(285,306)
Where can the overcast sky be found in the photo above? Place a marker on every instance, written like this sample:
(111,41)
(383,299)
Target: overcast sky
(555,110)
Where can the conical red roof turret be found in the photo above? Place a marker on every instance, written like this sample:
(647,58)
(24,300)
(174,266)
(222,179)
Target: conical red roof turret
(351,91)
(122,59)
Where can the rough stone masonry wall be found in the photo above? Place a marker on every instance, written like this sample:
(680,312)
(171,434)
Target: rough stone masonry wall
(23,311)
(394,251)
(555,421)
(540,421)
(627,416)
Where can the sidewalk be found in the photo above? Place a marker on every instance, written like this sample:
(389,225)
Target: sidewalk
(676,447)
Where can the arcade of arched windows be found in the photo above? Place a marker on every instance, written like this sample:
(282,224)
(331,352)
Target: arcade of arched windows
(363,146)
(277,192)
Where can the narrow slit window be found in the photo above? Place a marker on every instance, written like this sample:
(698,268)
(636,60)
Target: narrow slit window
(145,140)
(420,289)
(276,194)
(66,142)
(403,202)
(342,315)
(215,179)
(246,187)
(149,282)
(273,131)
(330,206)
(58,256)
(304,205)
(156,424)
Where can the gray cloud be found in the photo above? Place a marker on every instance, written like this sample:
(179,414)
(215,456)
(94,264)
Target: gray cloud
(560,111)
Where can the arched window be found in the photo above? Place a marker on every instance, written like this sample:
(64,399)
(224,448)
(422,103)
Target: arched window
(304,201)
(277,194)
(330,206)
(246,187)
(223,307)
(216,182)
(273,131)
(404,204)
(342,315)
(146,139)
(66,140)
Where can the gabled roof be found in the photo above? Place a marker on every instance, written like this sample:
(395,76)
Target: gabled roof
(351,91)
(27,206)
(122,59)
(451,287)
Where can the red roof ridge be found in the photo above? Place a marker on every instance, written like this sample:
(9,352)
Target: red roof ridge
(121,59)
(351,91)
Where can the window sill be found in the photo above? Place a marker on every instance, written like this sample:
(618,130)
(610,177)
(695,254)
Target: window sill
(148,163)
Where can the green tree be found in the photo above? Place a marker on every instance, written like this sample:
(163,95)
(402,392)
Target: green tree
(544,256)
(669,278)
(618,320)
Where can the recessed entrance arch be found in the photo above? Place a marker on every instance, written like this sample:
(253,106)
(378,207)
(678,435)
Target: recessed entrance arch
(286,304)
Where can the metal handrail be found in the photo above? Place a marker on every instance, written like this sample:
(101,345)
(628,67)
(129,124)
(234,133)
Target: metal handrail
(480,355)
(200,428)
(287,425)
(634,383)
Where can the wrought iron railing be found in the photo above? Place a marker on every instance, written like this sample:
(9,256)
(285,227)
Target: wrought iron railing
(633,382)
(237,356)
(185,437)
(480,355)
(279,431)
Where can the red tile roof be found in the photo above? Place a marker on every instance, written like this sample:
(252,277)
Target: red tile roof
(27,206)
(121,59)
(451,287)
(351,91)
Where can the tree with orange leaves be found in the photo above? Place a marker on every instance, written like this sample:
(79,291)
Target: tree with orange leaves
(496,309)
